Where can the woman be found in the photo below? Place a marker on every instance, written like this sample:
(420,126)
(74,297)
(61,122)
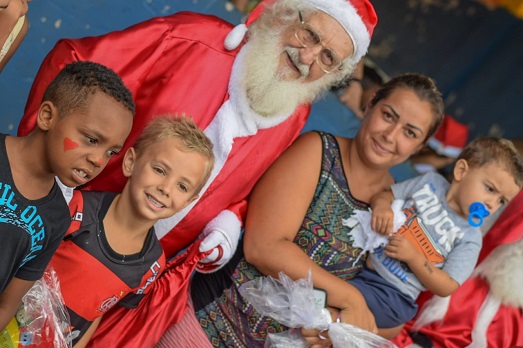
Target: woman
(324,179)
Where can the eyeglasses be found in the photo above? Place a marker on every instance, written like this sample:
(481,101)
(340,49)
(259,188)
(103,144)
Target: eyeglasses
(307,37)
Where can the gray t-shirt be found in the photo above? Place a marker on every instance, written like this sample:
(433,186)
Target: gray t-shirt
(446,239)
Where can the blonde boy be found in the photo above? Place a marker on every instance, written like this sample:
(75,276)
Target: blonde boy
(111,253)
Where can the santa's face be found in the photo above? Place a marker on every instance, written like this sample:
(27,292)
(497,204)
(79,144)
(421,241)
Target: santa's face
(306,61)
(280,73)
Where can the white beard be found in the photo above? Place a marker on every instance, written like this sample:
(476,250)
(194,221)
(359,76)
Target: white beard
(266,88)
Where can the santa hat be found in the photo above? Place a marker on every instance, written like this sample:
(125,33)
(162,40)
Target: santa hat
(450,139)
(357,17)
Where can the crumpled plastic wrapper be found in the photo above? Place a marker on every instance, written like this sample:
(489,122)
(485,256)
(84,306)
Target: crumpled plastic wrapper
(364,236)
(293,304)
(42,319)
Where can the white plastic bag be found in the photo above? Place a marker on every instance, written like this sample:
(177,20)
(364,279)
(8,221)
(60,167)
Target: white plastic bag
(293,304)
(42,319)
(349,336)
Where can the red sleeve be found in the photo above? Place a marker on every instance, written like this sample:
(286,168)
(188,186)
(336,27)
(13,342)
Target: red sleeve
(117,50)
(156,60)
(239,209)
(60,56)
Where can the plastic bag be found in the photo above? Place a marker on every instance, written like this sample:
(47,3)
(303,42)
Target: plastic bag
(287,339)
(293,304)
(42,319)
(286,301)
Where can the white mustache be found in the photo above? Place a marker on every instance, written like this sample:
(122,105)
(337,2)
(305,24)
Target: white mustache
(294,54)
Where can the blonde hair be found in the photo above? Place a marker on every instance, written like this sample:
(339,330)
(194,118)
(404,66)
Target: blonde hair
(184,129)
(486,150)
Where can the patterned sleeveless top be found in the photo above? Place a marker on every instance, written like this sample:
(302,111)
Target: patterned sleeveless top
(226,317)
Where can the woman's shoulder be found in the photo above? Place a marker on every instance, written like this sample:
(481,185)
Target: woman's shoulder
(313,138)
(307,142)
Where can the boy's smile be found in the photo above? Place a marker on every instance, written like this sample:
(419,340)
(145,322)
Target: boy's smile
(162,178)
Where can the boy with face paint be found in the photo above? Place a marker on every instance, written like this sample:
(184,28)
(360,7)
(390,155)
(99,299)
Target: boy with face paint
(83,120)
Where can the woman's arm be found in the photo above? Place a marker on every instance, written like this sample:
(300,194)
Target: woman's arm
(277,207)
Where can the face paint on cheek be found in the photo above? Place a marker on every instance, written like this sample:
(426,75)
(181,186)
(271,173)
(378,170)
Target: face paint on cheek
(70,144)
(100,162)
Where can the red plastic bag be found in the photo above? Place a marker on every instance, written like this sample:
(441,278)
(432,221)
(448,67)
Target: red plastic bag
(163,306)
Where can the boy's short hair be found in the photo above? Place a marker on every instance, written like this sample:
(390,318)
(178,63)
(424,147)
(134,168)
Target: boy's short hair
(486,150)
(76,82)
(184,129)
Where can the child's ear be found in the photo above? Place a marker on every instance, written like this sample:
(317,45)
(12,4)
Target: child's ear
(460,169)
(128,162)
(47,115)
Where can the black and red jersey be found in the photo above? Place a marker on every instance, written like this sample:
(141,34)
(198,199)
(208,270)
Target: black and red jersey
(93,277)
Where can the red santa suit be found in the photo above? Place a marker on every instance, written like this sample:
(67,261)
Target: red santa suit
(178,65)
(175,65)
(486,310)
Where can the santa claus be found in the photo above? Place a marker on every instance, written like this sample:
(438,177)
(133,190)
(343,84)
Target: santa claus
(248,87)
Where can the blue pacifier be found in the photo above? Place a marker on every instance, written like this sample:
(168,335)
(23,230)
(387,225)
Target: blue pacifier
(477,213)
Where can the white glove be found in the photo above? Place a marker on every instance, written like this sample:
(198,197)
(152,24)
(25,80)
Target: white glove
(220,235)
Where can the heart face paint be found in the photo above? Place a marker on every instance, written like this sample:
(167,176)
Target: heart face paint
(70,144)
(100,162)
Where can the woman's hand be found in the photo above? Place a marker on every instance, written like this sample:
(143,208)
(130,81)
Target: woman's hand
(316,338)
(360,317)
(320,338)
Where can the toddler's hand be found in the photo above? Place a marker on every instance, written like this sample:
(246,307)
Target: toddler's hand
(383,220)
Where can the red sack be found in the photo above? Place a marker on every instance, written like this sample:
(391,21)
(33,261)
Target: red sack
(163,306)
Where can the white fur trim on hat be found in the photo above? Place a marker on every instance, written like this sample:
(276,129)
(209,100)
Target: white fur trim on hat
(350,20)
(235,37)
(442,149)
(341,10)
